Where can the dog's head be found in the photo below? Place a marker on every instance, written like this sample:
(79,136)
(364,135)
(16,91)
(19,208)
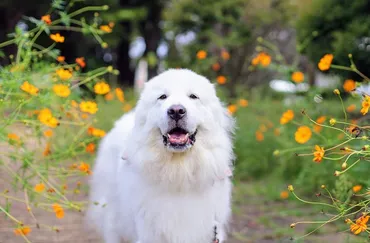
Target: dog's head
(179,106)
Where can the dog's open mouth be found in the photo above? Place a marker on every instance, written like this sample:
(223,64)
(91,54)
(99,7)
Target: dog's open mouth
(179,138)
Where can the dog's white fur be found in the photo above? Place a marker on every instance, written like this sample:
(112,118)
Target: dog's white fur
(142,191)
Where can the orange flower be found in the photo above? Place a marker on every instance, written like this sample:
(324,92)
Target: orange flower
(320,120)
(349,85)
(81,61)
(57,38)
(225,55)
(95,132)
(84,116)
(47,150)
(365,105)
(360,225)
(325,62)
(286,117)
(46,19)
(24,230)
(64,74)
(109,96)
(84,168)
(40,187)
(120,95)
(101,88)
(284,194)
(58,210)
(48,133)
(90,148)
(297,77)
(74,104)
(61,90)
(14,137)
(106,28)
(201,54)
(29,88)
(356,188)
(89,107)
(61,58)
(318,154)
(259,136)
(221,79)
(216,67)
(243,102)
(351,108)
(262,59)
(303,134)
(127,107)
(262,128)
(232,109)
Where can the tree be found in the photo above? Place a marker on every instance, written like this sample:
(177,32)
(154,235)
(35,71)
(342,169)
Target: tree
(337,27)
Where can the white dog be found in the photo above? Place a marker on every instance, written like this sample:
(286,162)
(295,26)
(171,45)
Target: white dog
(162,173)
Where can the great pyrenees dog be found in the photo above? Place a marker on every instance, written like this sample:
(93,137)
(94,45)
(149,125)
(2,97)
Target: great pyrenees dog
(162,174)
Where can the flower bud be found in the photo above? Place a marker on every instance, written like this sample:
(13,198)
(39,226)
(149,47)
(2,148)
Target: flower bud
(290,188)
(332,121)
(344,165)
(336,91)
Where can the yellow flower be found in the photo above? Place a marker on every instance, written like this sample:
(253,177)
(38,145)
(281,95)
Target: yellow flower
(290,188)
(297,77)
(24,230)
(332,121)
(303,134)
(360,225)
(284,194)
(101,88)
(106,28)
(365,105)
(74,104)
(262,59)
(57,38)
(64,74)
(89,107)
(221,79)
(47,118)
(318,154)
(232,109)
(349,85)
(325,62)
(29,88)
(58,210)
(61,90)
(243,102)
(46,19)
(286,117)
(120,95)
(356,188)
(201,54)
(40,187)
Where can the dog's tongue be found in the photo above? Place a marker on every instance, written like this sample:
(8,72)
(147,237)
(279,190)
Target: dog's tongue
(178,138)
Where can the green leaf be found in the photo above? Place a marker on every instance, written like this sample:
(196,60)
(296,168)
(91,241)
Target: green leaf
(65,18)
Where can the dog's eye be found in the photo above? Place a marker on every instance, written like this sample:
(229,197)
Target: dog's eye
(193,96)
(162,97)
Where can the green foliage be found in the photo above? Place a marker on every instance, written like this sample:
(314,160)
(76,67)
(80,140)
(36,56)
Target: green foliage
(337,27)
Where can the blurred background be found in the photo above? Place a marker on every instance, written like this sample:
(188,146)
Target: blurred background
(263,57)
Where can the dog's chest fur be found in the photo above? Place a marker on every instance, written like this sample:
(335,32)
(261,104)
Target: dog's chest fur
(169,216)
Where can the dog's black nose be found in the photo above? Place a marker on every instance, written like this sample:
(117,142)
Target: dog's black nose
(176,112)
